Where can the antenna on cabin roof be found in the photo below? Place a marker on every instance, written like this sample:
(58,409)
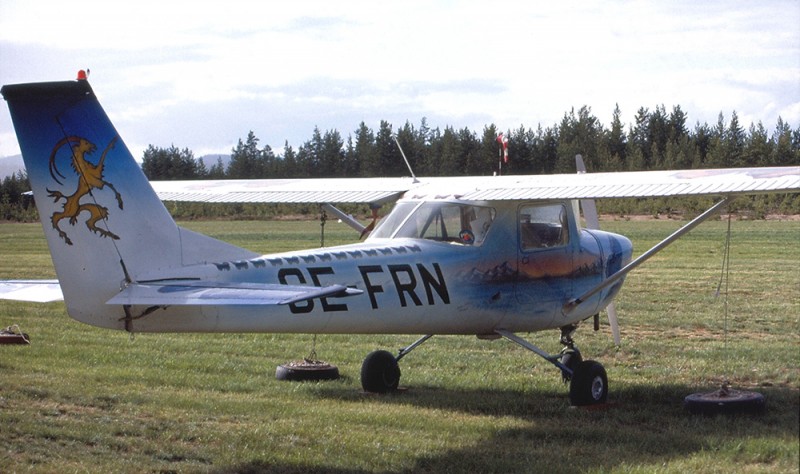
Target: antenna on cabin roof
(408,165)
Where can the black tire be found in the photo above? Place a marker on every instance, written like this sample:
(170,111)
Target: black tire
(306,371)
(725,402)
(589,384)
(380,372)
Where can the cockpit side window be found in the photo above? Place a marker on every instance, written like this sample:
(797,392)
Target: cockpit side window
(543,226)
(442,221)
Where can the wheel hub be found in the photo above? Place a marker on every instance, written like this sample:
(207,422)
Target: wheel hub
(597,388)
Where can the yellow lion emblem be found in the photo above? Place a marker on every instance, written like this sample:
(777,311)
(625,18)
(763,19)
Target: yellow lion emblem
(90,176)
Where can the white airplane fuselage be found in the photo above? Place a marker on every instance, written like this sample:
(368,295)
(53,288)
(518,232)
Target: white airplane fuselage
(416,285)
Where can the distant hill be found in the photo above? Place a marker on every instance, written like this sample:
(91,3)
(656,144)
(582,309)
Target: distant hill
(10,165)
(211,160)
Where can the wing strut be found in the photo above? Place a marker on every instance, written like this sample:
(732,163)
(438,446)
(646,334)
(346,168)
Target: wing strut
(572,304)
(346,218)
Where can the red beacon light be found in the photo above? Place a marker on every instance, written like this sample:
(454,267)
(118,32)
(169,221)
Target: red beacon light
(83,75)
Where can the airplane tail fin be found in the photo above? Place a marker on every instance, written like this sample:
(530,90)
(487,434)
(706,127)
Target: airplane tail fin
(104,224)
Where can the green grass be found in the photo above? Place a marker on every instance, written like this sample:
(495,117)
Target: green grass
(82,399)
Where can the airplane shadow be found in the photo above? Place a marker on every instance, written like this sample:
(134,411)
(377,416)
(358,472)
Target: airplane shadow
(641,425)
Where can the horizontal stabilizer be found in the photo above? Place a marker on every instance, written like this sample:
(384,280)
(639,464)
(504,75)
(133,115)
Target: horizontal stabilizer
(38,291)
(218,293)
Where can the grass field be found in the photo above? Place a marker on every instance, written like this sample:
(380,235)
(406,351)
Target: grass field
(82,399)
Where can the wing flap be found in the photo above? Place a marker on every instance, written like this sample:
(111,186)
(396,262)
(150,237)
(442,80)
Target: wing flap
(215,293)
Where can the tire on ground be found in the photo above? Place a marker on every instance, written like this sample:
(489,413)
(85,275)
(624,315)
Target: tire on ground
(589,384)
(724,402)
(380,372)
(293,371)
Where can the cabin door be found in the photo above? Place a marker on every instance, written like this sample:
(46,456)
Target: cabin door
(544,259)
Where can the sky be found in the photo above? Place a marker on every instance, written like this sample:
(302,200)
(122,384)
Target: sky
(201,75)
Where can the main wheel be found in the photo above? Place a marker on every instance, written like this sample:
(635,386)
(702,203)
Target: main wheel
(380,372)
(589,384)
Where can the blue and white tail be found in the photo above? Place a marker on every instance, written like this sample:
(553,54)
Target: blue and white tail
(104,224)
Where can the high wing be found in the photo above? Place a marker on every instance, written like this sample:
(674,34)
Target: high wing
(377,191)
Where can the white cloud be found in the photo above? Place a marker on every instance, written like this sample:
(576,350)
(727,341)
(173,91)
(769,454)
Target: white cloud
(334,63)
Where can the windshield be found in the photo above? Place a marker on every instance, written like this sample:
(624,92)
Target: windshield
(389,224)
(443,221)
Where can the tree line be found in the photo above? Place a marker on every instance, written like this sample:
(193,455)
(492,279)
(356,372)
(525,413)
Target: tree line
(656,139)
(15,205)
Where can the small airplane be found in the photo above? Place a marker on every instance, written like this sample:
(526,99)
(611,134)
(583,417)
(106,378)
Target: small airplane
(489,256)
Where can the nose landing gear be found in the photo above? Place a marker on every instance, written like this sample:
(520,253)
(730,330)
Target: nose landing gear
(588,382)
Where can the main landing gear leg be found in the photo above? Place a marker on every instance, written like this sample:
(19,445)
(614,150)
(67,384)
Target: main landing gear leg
(570,355)
(587,378)
(380,372)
